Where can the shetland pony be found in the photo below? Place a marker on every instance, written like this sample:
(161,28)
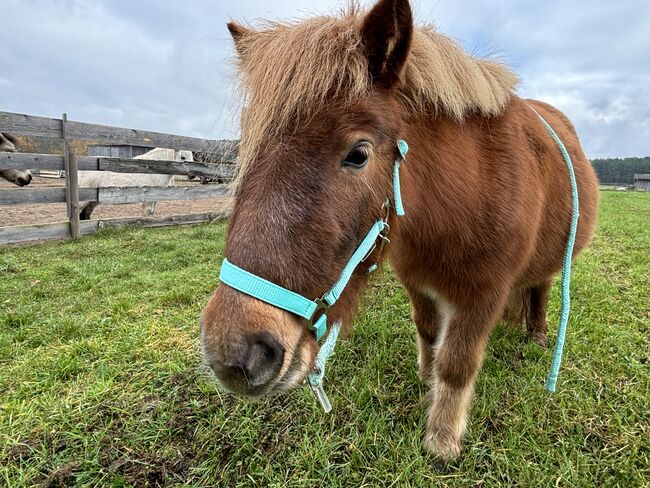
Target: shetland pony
(486,191)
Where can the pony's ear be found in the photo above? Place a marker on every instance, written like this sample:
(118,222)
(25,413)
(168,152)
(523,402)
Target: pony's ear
(238,32)
(386,32)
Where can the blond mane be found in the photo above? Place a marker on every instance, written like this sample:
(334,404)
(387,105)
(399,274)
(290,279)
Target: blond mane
(291,70)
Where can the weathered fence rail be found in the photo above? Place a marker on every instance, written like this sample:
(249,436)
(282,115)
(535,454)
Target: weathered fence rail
(113,194)
(118,165)
(29,125)
(65,130)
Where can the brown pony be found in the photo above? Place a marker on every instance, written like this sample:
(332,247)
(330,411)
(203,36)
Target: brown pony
(485,188)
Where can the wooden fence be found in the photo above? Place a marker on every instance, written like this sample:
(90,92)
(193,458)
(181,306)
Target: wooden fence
(66,130)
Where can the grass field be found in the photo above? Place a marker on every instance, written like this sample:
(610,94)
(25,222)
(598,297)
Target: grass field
(101,382)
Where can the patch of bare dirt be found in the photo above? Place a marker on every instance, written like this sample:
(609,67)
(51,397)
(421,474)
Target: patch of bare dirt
(60,477)
(56,212)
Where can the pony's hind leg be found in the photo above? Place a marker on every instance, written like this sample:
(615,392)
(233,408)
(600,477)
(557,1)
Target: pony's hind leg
(87,210)
(459,354)
(536,322)
(148,208)
(428,316)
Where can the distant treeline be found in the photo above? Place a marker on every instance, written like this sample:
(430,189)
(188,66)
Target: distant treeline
(620,171)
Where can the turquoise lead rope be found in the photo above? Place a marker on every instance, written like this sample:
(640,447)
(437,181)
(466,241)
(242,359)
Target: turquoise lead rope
(551,380)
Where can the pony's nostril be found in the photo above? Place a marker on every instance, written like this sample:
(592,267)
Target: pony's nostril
(264,358)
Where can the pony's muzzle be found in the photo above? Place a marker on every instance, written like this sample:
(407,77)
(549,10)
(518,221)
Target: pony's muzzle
(254,348)
(254,366)
(24,180)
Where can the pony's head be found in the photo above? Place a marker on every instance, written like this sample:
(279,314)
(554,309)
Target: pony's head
(318,142)
(20,177)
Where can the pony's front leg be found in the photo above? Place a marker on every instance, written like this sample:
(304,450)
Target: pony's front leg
(459,353)
(429,312)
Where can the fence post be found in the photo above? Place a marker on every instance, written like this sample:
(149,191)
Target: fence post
(73,178)
(71,181)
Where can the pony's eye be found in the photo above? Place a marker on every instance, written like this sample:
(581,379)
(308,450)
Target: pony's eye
(358,156)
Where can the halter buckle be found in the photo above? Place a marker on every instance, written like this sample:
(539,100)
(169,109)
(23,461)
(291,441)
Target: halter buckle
(383,235)
(321,304)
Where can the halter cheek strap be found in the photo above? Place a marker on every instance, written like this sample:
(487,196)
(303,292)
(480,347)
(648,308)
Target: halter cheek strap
(315,311)
(397,192)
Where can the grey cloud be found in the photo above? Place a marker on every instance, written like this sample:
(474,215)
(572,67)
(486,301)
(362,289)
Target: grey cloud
(587,58)
(164,65)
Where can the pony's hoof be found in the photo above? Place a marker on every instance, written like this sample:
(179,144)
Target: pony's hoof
(439,466)
(539,339)
(443,449)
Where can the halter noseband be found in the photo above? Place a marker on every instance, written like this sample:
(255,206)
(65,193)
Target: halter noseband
(315,311)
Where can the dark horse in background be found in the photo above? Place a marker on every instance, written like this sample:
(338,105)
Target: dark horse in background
(486,191)
(19,177)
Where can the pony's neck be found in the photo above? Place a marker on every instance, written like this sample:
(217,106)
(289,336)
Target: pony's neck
(442,161)
(448,173)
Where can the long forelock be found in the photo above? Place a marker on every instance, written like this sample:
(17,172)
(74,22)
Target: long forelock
(291,71)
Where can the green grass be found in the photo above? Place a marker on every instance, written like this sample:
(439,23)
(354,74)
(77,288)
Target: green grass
(101,382)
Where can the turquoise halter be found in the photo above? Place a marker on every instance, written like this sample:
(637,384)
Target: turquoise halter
(315,311)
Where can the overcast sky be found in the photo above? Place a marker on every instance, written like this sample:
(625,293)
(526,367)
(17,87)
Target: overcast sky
(164,65)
